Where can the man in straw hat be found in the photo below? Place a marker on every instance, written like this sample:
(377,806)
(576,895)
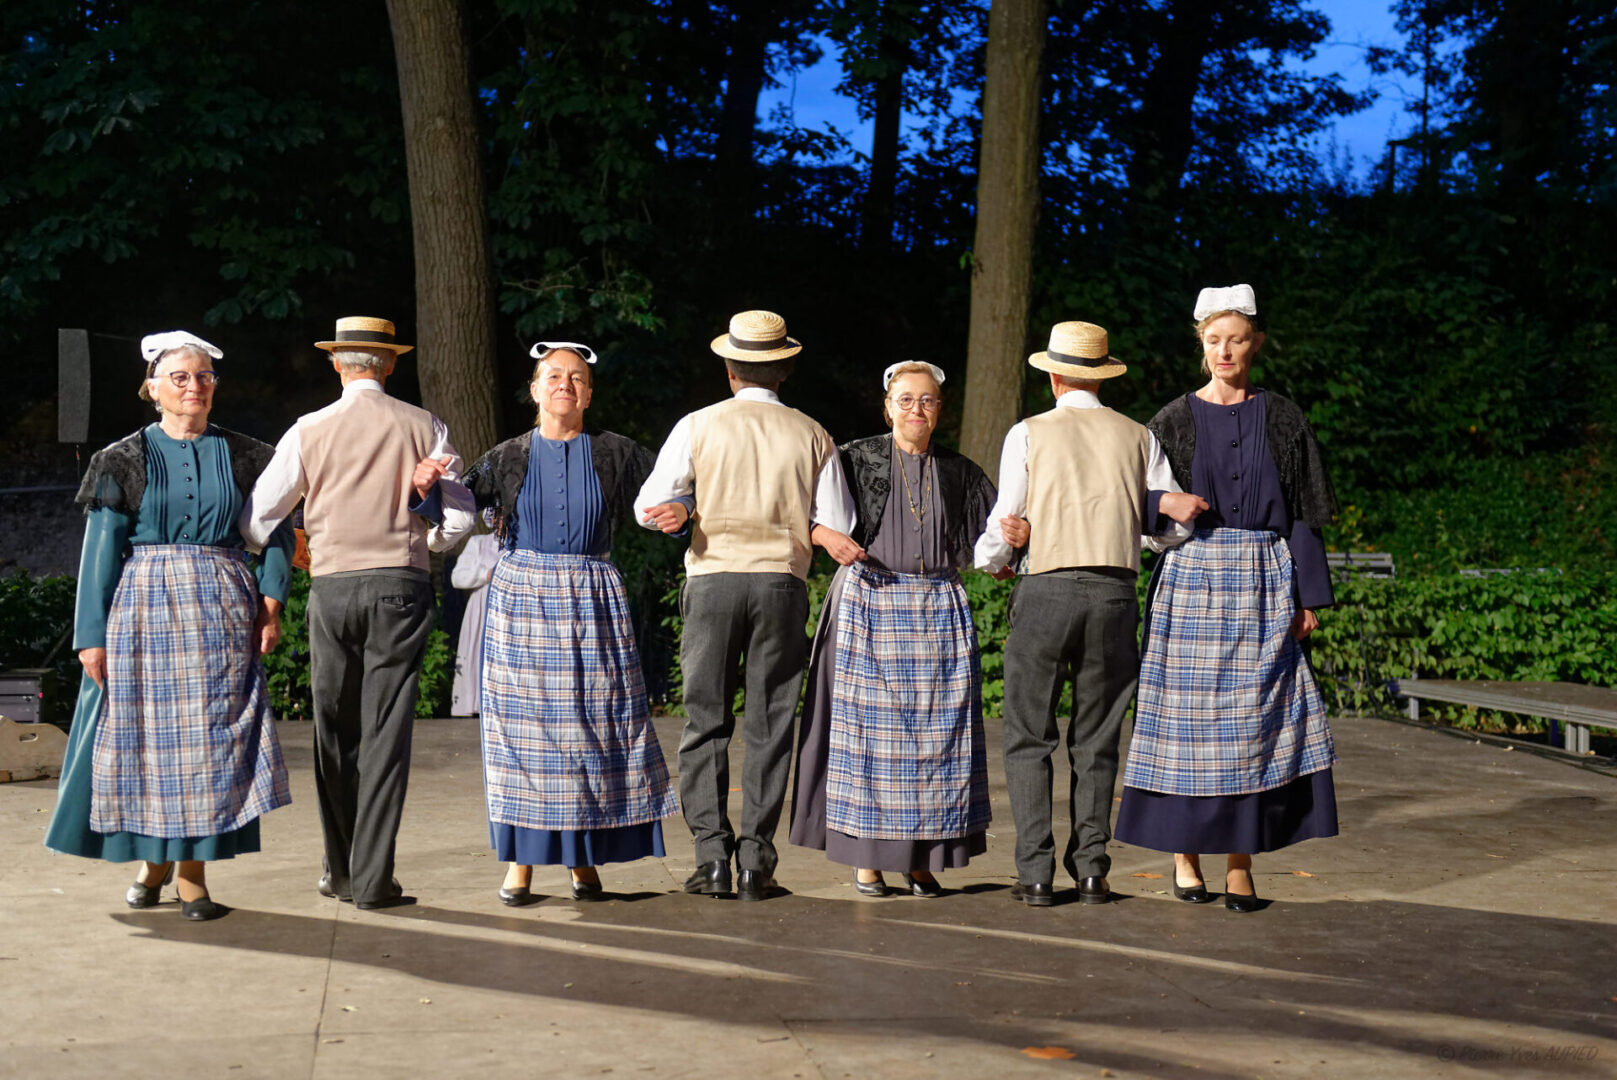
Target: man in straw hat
(380,484)
(763,476)
(1090,483)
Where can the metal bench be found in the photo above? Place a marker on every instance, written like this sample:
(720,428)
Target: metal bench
(1574,705)
(1375,564)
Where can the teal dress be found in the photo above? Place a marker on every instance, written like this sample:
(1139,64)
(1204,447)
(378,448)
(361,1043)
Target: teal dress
(173,510)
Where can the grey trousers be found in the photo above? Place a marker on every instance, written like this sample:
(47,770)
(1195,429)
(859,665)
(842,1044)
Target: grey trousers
(367,633)
(1084,624)
(731,619)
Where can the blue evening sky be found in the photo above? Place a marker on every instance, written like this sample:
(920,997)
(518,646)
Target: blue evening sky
(1355,26)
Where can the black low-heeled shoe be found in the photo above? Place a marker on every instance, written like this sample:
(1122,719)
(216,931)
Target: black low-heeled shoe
(516,897)
(1241,902)
(870,888)
(588,890)
(927,889)
(1190,894)
(201,909)
(145,896)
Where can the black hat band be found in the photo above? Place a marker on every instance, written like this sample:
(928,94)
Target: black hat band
(374,337)
(1082,361)
(758,346)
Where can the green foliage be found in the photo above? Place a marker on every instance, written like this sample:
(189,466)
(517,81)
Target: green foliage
(35,614)
(287,668)
(1527,626)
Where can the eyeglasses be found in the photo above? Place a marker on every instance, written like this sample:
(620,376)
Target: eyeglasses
(927,402)
(182,379)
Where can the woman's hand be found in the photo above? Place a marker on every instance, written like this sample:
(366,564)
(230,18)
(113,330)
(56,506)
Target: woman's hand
(267,626)
(670,517)
(1016,530)
(1303,623)
(840,546)
(1182,506)
(427,472)
(94,662)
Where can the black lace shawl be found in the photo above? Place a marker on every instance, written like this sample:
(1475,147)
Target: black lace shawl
(965,493)
(117,473)
(1292,445)
(621,466)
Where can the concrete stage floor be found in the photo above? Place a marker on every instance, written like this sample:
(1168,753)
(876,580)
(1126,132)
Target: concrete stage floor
(1462,925)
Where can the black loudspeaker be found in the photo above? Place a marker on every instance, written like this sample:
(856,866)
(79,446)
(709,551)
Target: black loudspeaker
(72,386)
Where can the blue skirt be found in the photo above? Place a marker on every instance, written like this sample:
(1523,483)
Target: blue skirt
(1304,809)
(575,847)
(70,831)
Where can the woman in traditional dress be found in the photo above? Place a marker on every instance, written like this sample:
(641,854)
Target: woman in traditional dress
(891,766)
(173,756)
(571,764)
(1231,750)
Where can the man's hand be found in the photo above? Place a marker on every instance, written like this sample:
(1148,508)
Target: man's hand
(670,517)
(1182,506)
(840,546)
(427,474)
(1016,531)
(267,626)
(94,662)
(1303,623)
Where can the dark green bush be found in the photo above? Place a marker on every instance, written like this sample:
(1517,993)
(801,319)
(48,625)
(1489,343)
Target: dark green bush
(35,613)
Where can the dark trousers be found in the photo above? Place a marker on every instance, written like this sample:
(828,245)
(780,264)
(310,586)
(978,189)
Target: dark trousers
(761,619)
(367,633)
(1081,623)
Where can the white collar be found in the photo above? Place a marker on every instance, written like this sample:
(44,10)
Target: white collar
(757,393)
(1079,399)
(356,386)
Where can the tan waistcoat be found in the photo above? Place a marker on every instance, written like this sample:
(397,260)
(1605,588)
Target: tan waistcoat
(756,465)
(1085,489)
(358,456)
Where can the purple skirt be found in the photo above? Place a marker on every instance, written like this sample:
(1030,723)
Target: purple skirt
(1304,809)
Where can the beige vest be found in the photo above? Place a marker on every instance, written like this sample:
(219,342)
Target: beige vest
(756,465)
(358,456)
(1085,489)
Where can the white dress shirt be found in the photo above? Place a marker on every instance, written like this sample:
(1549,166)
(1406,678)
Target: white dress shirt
(992,551)
(283,482)
(674,476)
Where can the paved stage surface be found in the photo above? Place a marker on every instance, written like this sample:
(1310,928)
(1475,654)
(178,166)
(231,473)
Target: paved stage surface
(1464,924)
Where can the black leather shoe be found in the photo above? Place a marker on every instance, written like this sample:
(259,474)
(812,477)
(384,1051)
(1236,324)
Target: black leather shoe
(326,889)
(201,909)
(394,897)
(757,885)
(1093,890)
(928,889)
(145,896)
(710,879)
(588,890)
(1038,894)
(1241,902)
(1194,894)
(868,888)
(516,897)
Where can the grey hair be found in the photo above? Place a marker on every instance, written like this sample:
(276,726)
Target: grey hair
(145,391)
(1073,382)
(360,359)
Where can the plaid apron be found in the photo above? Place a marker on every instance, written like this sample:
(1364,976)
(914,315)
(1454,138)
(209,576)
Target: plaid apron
(1228,704)
(567,738)
(186,746)
(906,759)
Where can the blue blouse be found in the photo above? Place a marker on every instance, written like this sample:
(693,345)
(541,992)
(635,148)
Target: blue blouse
(1234,471)
(191,498)
(560,510)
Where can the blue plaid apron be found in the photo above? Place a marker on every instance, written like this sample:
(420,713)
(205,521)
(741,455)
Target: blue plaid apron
(567,738)
(906,758)
(1227,704)
(186,746)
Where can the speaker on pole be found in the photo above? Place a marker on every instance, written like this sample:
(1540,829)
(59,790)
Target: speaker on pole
(72,386)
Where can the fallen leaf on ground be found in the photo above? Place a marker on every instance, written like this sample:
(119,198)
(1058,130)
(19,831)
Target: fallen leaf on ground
(1049,1053)
(1302,873)
(1153,877)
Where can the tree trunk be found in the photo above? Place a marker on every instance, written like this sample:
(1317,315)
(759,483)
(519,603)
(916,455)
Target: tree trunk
(449,216)
(744,71)
(1157,163)
(877,229)
(1007,211)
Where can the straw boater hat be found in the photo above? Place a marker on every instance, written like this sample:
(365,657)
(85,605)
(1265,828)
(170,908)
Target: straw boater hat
(756,336)
(1078,350)
(362,332)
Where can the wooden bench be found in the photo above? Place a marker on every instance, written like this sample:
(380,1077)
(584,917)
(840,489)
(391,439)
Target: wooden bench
(1575,705)
(1375,564)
